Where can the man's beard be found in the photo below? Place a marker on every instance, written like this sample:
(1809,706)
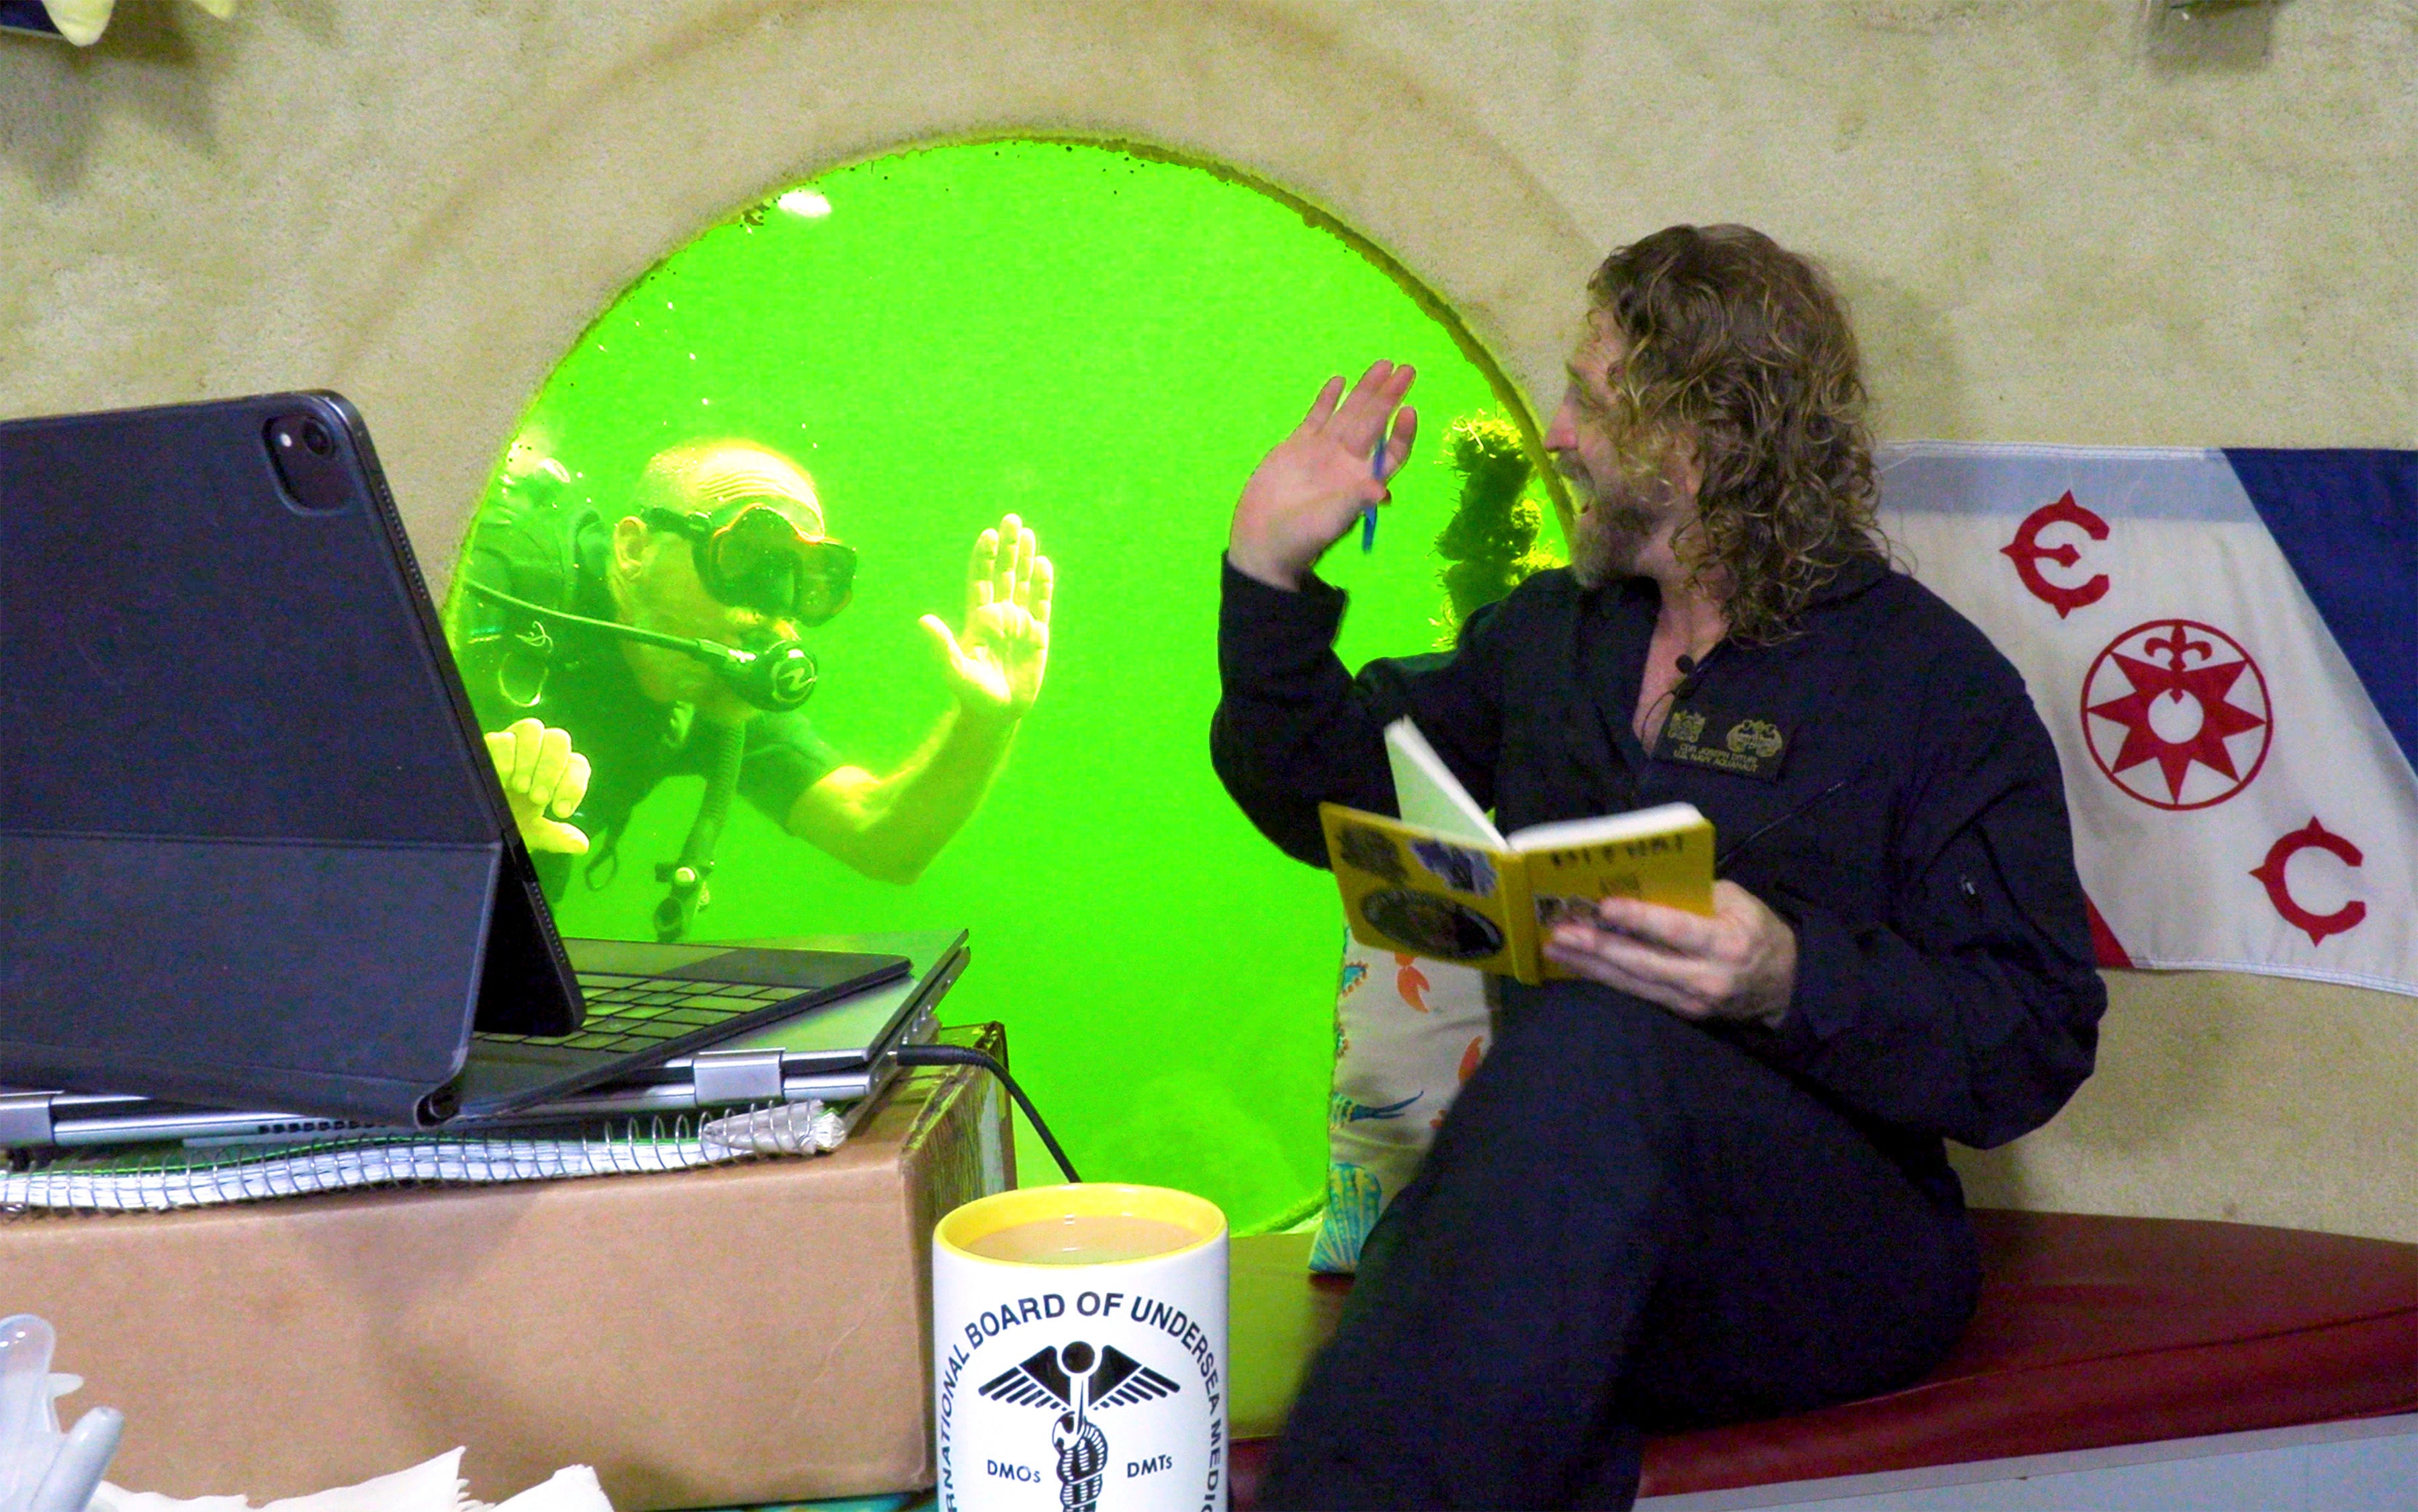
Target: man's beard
(1606,538)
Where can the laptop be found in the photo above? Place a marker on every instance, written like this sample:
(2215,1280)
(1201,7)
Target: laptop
(252,853)
(842,1053)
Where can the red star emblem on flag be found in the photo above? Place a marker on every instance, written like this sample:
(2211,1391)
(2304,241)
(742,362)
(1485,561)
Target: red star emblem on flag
(2179,711)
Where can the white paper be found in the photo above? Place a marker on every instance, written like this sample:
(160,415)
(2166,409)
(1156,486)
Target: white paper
(1427,792)
(431,1485)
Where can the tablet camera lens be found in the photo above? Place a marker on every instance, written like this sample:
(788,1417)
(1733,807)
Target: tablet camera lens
(309,463)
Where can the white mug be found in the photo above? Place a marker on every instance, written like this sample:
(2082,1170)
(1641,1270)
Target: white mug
(1078,1352)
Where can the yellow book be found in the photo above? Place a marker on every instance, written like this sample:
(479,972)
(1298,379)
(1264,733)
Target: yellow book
(1441,881)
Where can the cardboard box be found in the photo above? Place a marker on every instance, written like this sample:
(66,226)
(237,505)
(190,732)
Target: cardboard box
(749,1333)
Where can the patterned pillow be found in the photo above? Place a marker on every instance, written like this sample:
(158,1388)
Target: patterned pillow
(1407,1033)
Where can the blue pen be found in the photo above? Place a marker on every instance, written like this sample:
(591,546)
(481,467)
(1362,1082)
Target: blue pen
(1368,513)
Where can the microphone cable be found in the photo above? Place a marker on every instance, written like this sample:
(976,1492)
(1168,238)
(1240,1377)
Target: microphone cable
(957,1055)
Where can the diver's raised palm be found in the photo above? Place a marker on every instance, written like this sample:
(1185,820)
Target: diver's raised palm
(999,658)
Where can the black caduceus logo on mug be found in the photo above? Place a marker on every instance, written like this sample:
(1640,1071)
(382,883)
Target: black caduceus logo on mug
(1079,1381)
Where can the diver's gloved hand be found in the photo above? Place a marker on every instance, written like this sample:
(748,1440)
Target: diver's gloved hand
(999,658)
(543,776)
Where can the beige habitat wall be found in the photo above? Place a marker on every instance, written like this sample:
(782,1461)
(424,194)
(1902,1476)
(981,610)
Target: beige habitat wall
(2049,230)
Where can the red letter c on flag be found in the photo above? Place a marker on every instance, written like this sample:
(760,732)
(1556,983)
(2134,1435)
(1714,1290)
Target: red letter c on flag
(2270,872)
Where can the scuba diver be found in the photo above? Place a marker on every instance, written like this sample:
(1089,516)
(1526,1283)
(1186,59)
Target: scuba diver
(604,655)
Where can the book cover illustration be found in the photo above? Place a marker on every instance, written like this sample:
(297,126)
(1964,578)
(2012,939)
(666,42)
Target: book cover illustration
(1470,895)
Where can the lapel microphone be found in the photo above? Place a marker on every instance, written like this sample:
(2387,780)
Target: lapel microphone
(1686,682)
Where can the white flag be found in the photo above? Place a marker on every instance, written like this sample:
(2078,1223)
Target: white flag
(2240,803)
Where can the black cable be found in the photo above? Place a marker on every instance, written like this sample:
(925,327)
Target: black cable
(957,1055)
(1721,862)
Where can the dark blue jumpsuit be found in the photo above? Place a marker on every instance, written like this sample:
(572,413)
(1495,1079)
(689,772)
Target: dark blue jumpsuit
(1631,1222)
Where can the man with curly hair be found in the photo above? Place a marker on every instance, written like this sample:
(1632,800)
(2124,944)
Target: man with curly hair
(1704,1180)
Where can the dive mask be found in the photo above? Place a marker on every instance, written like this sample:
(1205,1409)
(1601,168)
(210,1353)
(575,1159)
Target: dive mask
(760,558)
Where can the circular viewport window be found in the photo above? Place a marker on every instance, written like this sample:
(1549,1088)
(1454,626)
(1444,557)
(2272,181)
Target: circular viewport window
(814,411)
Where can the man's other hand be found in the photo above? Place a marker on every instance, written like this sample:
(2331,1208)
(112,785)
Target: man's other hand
(1739,963)
(545,781)
(1305,493)
(999,658)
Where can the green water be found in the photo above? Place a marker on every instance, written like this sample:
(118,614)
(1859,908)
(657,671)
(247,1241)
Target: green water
(1104,343)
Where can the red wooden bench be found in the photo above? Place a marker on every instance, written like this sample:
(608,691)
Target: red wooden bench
(2091,1332)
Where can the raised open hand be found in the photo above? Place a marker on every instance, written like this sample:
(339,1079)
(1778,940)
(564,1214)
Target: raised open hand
(1305,493)
(999,658)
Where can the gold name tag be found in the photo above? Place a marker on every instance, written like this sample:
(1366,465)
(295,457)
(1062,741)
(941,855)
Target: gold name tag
(1742,747)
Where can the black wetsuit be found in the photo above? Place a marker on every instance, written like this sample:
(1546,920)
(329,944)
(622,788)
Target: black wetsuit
(516,665)
(1629,1221)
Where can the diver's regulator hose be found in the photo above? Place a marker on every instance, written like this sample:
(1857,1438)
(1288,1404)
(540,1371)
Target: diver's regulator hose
(776,677)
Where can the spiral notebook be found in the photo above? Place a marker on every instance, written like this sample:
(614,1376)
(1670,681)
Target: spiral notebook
(155,1180)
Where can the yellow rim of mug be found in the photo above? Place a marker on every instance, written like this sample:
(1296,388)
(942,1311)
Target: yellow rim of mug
(987,1215)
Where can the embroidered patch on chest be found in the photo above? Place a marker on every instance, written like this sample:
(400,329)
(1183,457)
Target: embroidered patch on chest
(1746,746)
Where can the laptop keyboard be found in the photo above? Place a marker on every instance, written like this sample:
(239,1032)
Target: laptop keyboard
(639,1013)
